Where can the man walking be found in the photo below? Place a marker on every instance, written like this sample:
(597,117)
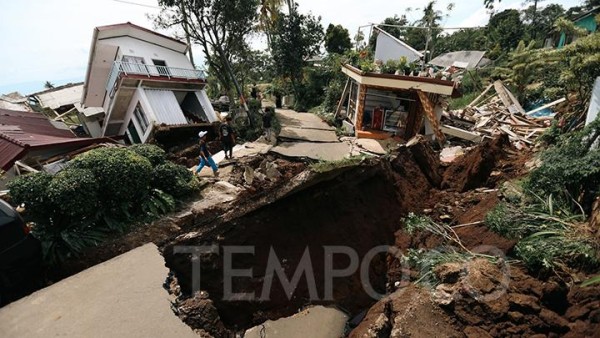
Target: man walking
(205,155)
(227,136)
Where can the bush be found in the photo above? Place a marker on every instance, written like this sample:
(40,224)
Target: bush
(123,176)
(153,153)
(173,179)
(32,190)
(74,195)
(571,169)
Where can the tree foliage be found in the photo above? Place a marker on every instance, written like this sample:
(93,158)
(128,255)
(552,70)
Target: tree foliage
(221,27)
(297,38)
(505,29)
(337,39)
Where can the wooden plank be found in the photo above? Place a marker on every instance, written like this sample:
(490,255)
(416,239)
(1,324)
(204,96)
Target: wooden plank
(481,95)
(429,110)
(460,133)
(509,101)
(553,103)
(345,93)
(360,109)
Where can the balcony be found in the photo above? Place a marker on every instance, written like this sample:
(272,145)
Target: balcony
(125,69)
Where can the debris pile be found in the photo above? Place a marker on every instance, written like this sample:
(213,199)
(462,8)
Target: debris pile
(499,113)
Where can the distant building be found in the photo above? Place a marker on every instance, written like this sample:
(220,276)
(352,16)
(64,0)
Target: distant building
(136,79)
(586,20)
(14,101)
(60,104)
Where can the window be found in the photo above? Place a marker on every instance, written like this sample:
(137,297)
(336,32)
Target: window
(134,64)
(161,67)
(141,118)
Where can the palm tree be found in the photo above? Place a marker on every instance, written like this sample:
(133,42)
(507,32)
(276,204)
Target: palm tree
(268,14)
(48,85)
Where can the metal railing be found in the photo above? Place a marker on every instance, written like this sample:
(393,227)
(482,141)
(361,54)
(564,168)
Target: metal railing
(128,68)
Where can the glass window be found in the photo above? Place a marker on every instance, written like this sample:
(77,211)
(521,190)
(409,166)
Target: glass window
(141,118)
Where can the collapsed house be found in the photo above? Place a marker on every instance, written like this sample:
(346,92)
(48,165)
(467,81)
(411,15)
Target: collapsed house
(60,104)
(29,141)
(138,79)
(379,106)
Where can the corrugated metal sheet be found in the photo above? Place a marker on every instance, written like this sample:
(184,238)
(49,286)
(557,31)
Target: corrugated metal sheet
(21,132)
(471,57)
(165,106)
(31,123)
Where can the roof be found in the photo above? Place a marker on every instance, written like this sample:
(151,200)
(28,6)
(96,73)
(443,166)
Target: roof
(425,84)
(128,25)
(586,14)
(21,132)
(398,41)
(471,57)
(60,96)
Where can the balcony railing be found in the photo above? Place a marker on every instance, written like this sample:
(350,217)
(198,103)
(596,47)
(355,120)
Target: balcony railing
(127,68)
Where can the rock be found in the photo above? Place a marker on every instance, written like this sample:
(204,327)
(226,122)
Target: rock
(443,295)
(272,172)
(475,332)
(248,175)
(449,272)
(554,321)
(184,219)
(524,302)
(201,312)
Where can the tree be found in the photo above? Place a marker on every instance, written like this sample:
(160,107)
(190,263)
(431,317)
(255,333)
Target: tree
(296,38)
(221,27)
(268,14)
(48,85)
(337,39)
(464,39)
(505,29)
(397,32)
(489,4)
(534,15)
(427,36)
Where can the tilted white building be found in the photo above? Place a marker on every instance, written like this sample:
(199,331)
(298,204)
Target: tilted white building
(136,79)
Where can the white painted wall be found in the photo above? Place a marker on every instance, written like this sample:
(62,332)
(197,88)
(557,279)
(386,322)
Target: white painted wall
(206,106)
(594,103)
(388,48)
(148,51)
(139,96)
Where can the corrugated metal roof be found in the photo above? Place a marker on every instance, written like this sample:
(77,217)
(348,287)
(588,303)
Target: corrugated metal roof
(31,123)
(472,57)
(24,131)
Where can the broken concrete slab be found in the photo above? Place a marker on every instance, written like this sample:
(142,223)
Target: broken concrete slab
(311,135)
(291,118)
(122,297)
(315,322)
(316,151)
(370,145)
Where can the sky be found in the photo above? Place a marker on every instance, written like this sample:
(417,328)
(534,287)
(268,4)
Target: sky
(49,40)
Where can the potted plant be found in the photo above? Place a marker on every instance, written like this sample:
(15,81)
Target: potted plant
(390,67)
(402,62)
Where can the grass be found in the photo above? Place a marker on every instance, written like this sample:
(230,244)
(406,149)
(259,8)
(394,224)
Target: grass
(549,236)
(325,166)
(462,102)
(425,261)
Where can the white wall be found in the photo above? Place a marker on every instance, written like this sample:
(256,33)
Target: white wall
(134,47)
(389,49)
(139,96)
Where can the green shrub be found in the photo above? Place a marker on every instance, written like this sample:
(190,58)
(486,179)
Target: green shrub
(32,190)
(153,153)
(571,168)
(123,176)
(173,179)
(74,194)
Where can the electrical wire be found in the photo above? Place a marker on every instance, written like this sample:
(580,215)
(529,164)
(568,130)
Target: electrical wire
(136,4)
